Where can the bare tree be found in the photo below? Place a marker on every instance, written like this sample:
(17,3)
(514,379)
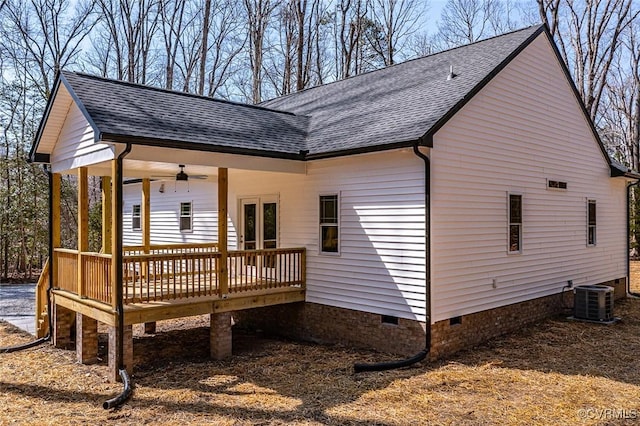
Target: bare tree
(47,35)
(258,17)
(172,25)
(132,25)
(397,20)
(588,35)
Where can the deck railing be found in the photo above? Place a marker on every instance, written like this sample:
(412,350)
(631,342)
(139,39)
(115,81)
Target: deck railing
(67,269)
(172,248)
(180,272)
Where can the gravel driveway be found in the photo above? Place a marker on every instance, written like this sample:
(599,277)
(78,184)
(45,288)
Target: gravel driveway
(17,305)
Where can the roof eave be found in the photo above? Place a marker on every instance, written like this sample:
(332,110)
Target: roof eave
(39,157)
(618,170)
(193,146)
(34,156)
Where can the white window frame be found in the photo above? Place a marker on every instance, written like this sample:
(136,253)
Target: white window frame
(322,224)
(134,217)
(519,224)
(190,216)
(595,224)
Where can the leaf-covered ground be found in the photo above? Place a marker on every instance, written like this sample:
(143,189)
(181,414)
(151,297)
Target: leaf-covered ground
(554,373)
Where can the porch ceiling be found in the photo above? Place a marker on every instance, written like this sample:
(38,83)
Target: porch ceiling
(154,162)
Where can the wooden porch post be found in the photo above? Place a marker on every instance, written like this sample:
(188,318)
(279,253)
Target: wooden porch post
(83,223)
(106,214)
(116,256)
(223,190)
(55,224)
(146,214)
(149,327)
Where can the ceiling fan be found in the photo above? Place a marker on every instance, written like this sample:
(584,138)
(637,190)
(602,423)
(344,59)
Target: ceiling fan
(181,176)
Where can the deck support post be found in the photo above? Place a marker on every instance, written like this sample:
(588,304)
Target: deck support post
(62,323)
(223,190)
(127,351)
(86,339)
(220,335)
(149,327)
(56,183)
(106,214)
(83,223)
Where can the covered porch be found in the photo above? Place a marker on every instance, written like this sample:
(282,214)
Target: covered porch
(154,282)
(117,131)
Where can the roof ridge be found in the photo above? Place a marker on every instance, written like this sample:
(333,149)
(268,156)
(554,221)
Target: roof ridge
(537,26)
(176,92)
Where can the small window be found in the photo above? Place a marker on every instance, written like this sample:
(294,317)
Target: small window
(329,235)
(591,223)
(136,218)
(556,184)
(186,215)
(515,223)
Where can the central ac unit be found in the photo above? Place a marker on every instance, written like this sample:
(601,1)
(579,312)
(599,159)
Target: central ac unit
(593,303)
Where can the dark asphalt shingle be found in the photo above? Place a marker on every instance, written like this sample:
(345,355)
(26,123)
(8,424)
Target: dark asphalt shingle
(131,110)
(394,105)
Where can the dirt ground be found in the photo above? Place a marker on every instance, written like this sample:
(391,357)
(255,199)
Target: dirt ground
(556,372)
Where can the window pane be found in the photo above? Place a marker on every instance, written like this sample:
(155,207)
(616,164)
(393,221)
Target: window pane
(135,222)
(249,225)
(514,237)
(592,236)
(330,239)
(592,212)
(185,209)
(269,219)
(515,208)
(329,209)
(185,223)
(136,210)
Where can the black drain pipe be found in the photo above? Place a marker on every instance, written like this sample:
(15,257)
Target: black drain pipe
(117,250)
(46,338)
(390,365)
(629,239)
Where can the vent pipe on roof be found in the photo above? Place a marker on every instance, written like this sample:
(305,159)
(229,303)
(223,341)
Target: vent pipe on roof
(451,75)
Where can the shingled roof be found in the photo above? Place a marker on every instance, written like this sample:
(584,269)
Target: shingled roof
(397,106)
(124,111)
(400,104)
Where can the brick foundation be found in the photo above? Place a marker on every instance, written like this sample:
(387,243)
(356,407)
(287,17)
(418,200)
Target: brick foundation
(86,339)
(327,324)
(127,350)
(63,319)
(220,335)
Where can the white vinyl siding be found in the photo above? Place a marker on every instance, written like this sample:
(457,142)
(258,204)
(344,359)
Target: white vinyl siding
(165,213)
(522,128)
(381,267)
(76,146)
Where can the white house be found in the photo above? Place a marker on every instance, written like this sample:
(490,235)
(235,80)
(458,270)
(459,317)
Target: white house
(463,190)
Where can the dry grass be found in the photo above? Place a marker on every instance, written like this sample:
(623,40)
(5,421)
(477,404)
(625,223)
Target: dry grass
(541,375)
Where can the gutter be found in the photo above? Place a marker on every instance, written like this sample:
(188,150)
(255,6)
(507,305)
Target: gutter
(126,382)
(389,365)
(629,292)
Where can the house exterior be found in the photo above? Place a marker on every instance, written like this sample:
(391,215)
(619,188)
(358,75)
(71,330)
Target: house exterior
(446,199)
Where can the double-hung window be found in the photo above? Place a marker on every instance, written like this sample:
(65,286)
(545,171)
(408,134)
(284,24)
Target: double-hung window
(136,217)
(515,223)
(329,224)
(591,223)
(186,217)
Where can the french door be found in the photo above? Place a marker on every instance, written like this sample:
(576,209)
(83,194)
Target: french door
(259,223)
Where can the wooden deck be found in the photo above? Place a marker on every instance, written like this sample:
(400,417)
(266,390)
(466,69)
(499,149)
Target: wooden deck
(177,281)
